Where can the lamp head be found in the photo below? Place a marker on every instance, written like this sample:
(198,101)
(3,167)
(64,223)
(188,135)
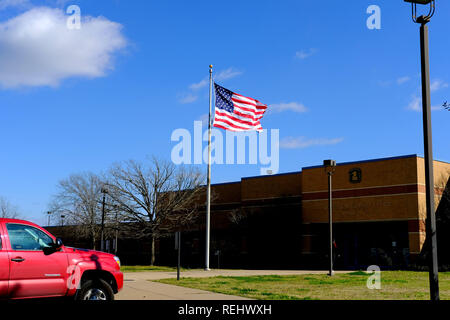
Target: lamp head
(423,19)
(419,1)
(329,163)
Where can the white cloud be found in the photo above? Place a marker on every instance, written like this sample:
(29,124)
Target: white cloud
(37,48)
(199,85)
(5,4)
(220,76)
(437,85)
(437,108)
(187,98)
(291,106)
(302,142)
(303,54)
(403,80)
(416,105)
(227,74)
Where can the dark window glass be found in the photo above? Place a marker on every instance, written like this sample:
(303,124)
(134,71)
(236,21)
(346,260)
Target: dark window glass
(23,237)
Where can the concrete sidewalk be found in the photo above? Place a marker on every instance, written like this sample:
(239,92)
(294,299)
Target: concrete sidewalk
(138,287)
(148,290)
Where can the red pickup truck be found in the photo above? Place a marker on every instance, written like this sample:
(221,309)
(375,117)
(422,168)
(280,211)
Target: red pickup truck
(35,264)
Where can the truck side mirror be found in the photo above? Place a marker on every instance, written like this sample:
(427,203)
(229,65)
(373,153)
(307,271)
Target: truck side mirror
(58,243)
(54,247)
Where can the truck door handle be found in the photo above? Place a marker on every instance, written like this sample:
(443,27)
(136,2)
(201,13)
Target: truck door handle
(18,259)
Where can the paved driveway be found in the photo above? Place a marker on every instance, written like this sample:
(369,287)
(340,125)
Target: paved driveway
(138,287)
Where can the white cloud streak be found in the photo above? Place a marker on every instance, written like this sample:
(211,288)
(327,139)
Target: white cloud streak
(303,54)
(5,4)
(187,98)
(416,105)
(437,85)
(303,142)
(37,48)
(291,106)
(220,76)
(403,80)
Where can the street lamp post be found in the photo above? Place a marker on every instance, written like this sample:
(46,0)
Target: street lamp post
(428,149)
(104,192)
(48,220)
(330,166)
(62,220)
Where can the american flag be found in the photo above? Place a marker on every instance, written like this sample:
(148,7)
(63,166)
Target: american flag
(235,112)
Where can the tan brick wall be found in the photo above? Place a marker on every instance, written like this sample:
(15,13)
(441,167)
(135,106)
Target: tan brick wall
(441,175)
(375,173)
(381,208)
(441,170)
(376,207)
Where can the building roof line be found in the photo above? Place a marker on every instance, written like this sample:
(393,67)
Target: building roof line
(365,161)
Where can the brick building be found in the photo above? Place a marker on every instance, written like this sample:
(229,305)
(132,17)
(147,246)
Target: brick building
(281,221)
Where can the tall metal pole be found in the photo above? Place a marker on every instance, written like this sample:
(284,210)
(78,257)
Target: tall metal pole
(48,213)
(330,222)
(117,236)
(103,222)
(429,177)
(208,190)
(179,254)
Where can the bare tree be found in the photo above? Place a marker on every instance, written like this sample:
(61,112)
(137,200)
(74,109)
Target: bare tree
(446,106)
(7,210)
(156,198)
(80,200)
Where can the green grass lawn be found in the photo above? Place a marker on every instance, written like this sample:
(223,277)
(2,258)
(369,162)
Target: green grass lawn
(395,285)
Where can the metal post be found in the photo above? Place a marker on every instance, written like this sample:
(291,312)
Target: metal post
(103,222)
(208,191)
(179,254)
(330,223)
(429,178)
(48,213)
(117,236)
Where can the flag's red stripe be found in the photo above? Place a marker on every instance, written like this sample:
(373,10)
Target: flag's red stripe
(261,107)
(250,110)
(234,122)
(250,123)
(256,101)
(234,115)
(232,125)
(225,127)
(246,115)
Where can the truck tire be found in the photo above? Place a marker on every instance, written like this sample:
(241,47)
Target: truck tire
(95,290)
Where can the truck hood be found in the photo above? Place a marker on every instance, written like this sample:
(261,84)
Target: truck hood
(88,255)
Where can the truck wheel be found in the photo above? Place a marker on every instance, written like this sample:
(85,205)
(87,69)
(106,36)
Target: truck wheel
(95,290)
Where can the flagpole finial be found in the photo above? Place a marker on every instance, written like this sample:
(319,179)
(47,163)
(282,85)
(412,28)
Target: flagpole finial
(210,66)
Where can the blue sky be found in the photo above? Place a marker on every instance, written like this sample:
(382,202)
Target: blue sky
(340,90)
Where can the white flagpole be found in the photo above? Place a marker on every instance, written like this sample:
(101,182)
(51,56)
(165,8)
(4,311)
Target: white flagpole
(208,190)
